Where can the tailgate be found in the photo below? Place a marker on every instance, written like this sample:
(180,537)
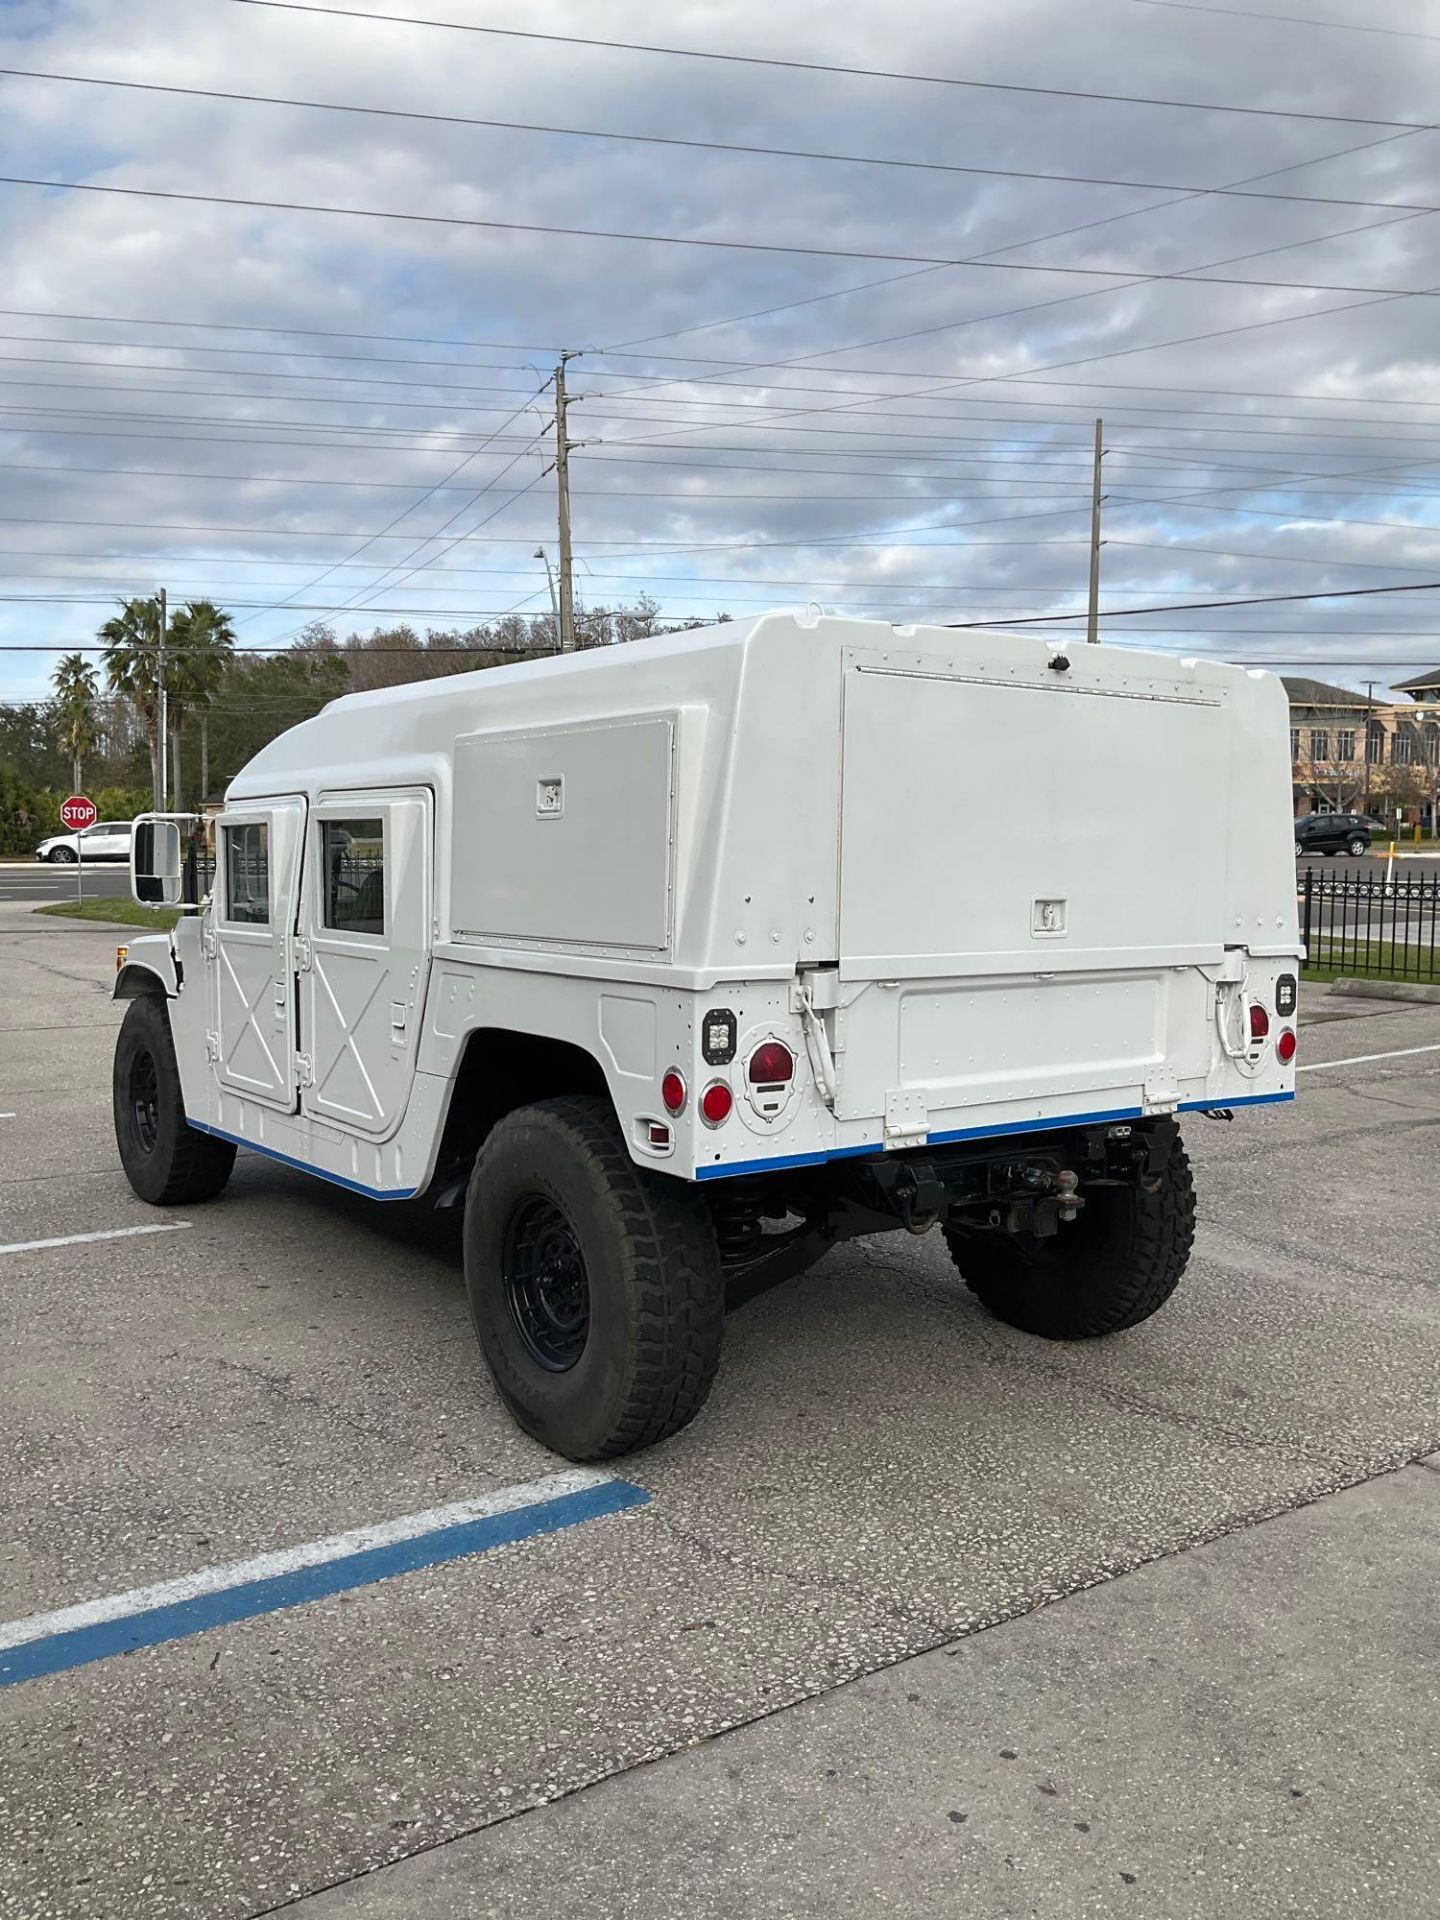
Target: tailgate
(1026,859)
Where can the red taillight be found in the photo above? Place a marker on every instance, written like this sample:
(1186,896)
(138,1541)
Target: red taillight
(1285,1046)
(1259,1022)
(771,1065)
(716,1103)
(672,1090)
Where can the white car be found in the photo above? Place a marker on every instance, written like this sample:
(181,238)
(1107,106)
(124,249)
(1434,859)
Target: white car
(106,840)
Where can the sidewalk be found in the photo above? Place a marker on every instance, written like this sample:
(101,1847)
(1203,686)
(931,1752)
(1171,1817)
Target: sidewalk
(1242,1728)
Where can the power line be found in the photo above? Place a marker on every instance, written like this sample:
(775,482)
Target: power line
(672,428)
(300,333)
(1277,513)
(1288,19)
(1279,559)
(1195,274)
(694,459)
(241,373)
(439,486)
(1309,427)
(728,362)
(706,241)
(1224,393)
(628,137)
(280,399)
(818,66)
(1193,606)
(1247,180)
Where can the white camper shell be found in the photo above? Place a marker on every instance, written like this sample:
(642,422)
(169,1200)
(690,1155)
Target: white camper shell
(824,925)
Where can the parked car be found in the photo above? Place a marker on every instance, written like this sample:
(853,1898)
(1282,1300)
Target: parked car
(1332,833)
(106,840)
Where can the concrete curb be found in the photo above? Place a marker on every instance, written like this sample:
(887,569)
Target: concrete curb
(1388,990)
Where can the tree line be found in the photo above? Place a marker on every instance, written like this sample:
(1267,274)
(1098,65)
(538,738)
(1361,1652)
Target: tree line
(102,722)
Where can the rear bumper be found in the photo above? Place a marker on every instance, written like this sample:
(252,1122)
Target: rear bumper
(946,1136)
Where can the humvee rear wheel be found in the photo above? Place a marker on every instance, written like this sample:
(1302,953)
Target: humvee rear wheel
(165,1159)
(1109,1269)
(595,1287)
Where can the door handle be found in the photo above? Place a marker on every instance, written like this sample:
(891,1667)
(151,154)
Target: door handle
(280,999)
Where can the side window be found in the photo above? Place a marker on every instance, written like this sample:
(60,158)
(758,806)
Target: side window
(247,873)
(352,860)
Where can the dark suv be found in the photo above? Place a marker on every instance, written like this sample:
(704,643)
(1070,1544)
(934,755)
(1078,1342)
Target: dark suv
(1332,833)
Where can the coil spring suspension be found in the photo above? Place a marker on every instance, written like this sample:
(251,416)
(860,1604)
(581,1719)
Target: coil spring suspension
(737,1209)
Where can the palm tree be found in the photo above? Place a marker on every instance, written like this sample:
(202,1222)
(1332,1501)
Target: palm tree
(204,647)
(132,651)
(75,690)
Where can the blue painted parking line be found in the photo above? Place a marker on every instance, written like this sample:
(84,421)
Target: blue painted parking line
(216,1596)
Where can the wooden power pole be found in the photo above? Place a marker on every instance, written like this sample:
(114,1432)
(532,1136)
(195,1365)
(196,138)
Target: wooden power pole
(162,710)
(1092,630)
(562,482)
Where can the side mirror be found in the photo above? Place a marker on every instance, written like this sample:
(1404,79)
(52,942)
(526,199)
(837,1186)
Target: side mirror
(155,866)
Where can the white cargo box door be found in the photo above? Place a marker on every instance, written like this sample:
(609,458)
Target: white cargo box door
(252,949)
(1019,820)
(364,956)
(564,836)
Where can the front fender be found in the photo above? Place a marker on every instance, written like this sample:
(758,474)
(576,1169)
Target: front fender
(149,962)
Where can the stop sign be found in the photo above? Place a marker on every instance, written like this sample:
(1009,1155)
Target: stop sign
(79,813)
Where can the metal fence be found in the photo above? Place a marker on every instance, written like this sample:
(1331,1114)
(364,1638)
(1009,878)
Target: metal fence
(1388,929)
(197,872)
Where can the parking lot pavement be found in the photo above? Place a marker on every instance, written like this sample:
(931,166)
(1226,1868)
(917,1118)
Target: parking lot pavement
(881,1471)
(1232,1730)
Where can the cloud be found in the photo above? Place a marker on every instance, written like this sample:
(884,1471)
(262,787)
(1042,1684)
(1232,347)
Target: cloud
(837,445)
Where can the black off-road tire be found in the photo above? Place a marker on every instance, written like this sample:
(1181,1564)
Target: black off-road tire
(1109,1269)
(166,1160)
(652,1285)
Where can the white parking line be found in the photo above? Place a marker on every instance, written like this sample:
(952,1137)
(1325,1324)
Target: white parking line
(83,1239)
(1359,1059)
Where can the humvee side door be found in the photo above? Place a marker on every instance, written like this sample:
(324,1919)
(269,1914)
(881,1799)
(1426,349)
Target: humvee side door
(364,955)
(250,950)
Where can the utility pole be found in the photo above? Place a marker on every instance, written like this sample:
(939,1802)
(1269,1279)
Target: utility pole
(1092,630)
(562,482)
(162,711)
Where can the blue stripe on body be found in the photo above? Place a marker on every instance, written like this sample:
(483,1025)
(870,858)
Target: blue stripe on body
(306,1166)
(993,1132)
(82,1645)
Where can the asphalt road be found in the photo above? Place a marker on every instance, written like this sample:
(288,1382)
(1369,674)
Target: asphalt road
(987,1625)
(39,882)
(1372,866)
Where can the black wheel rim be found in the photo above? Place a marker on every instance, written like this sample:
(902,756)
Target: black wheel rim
(145,1100)
(546,1286)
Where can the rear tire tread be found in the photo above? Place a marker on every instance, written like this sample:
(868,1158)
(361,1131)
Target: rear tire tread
(1111,1291)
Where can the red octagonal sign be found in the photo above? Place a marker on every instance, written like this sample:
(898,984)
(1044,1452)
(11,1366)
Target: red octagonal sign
(79,813)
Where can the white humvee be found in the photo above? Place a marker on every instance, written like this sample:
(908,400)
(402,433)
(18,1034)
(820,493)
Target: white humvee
(679,961)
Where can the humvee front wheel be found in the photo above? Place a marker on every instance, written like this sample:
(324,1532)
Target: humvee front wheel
(165,1159)
(1110,1268)
(595,1287)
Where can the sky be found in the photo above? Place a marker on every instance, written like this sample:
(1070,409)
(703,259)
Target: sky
(873,387)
